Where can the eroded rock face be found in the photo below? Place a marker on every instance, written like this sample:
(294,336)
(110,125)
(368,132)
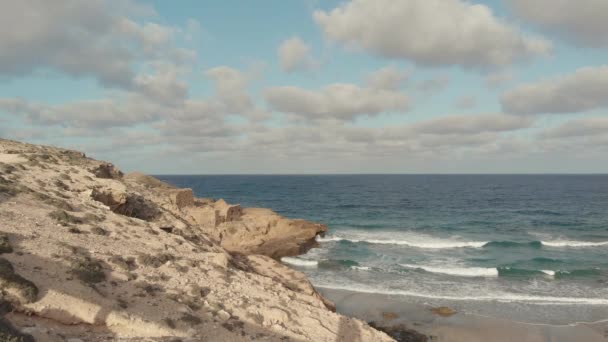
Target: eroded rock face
(127,204)
(262,231)
(182,198)
(78,264)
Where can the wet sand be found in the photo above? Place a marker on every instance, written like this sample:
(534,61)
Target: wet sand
(392,310)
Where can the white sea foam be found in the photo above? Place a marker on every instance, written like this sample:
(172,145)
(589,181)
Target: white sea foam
(360,268)
(404,239)
(548,272)
(300,262)
(489,297)
(458,271)
(568,243)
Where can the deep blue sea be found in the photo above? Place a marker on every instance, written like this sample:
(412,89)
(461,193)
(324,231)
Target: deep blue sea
(529,247)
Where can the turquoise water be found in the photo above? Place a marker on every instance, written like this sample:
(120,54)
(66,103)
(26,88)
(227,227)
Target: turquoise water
(533,248)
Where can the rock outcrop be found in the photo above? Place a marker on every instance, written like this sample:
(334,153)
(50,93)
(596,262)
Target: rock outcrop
(90,254)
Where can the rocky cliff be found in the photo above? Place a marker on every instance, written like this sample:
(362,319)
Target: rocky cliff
(90,254)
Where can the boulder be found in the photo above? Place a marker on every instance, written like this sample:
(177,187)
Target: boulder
(443,311)
(110,197)
(107,170)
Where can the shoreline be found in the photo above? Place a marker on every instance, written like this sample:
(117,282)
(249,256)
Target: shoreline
(396,311)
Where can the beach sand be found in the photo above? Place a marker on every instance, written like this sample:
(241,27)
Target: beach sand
(393,310)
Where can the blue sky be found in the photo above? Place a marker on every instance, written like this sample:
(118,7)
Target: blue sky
(304,86)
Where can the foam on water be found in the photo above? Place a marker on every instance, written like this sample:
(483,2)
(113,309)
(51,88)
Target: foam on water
(457,271)
(486,297)
(405,239)
(300,262)
(567,243)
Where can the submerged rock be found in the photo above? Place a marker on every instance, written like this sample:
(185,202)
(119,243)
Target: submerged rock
(443,311)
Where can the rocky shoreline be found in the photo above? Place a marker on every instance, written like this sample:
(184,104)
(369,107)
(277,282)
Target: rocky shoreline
(90,254)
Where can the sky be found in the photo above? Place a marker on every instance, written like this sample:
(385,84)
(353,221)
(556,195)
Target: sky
(311,86)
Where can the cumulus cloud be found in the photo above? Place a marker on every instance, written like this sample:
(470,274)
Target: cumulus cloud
(294,55)
(337,101)
(582,22)
(389,77)
(580,91)
(430,32)
(471,124)
(583,127)
(81,38)
(158,96)
(100,113)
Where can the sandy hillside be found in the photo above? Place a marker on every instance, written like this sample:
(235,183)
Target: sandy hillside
(90,254)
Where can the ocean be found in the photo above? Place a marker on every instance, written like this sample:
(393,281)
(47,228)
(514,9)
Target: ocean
(531,248)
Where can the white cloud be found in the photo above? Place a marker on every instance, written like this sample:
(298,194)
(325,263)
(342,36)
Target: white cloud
(80,38)
(582,22)
(583,127)
(581,91)
(294,55)
(471,124)
(337,101)
(430,32)
(101,113)
(388,77)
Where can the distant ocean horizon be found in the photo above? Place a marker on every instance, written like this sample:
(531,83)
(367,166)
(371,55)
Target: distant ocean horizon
(530,247)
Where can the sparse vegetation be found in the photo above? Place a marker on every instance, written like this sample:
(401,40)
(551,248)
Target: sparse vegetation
(126,264)
(10,334)
(88,270)
(122,303)
(148,289)
(190,319)
(64,218)
(59,203)
(65,176)
(5,246)
(74,230)
(99,231)
(169,322)
(7,169)
(154,261)
(7,187)
(14,283)
(89,217)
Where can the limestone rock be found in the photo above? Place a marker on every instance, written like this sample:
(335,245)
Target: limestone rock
(107,170)
(187,264)
(443,311)
(227,212)
(182,198)
(223,315)
(110,197)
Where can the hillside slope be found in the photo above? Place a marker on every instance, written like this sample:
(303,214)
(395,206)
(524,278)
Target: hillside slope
(90,254)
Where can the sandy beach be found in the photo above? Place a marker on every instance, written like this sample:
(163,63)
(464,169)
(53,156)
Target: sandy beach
(392,310)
